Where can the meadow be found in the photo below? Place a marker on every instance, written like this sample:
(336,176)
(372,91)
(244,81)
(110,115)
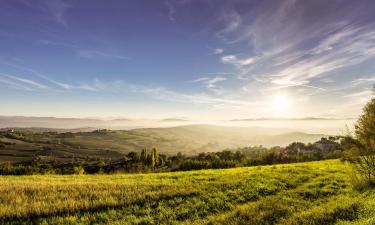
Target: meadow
(301,193)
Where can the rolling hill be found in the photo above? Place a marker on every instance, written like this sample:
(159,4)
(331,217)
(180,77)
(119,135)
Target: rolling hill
(64,144)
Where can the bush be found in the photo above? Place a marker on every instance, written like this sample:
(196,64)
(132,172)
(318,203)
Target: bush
(79,170)
(193,165)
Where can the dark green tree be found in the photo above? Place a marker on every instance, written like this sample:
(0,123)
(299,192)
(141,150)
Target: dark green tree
(133,156)
(143,157)
(149,160)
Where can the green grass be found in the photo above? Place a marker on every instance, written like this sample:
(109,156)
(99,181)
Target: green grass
(304,193)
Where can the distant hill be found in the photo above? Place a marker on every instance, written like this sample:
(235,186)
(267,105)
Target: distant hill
(189,140)
(60,123)
(43,130)
(200,138)
(291,119)
(174,120)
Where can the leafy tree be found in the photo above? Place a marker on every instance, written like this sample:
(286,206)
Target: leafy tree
(365,133)
(133,156)
(162,159)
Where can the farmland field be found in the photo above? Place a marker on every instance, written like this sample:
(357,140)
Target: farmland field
(303,193)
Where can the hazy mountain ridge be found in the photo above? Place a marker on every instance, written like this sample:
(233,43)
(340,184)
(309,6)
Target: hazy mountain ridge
(60,123)
(306,125)
(291,119)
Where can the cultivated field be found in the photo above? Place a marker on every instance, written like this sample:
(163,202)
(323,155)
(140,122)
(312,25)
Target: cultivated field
(303,193)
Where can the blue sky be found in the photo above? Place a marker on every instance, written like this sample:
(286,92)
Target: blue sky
(183,58)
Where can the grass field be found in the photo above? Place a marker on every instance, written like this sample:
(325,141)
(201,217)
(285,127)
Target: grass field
(304,193)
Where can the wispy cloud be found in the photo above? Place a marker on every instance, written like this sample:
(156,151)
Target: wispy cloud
(211,83)
(363,81)
(345,49)
(120,87)
(358,98)
(90,54)
(171,10)
(232,21)
(218,51)
(365,93)
(48,84)
(85,53)
(284,52)
(20,82)
(57,43)
(239,63)
(56,9)
(13,84)
(164,94)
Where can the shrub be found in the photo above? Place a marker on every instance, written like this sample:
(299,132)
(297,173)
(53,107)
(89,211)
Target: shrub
(79,170)
(193,165)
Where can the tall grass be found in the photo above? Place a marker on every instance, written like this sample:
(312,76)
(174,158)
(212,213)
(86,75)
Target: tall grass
(304,193)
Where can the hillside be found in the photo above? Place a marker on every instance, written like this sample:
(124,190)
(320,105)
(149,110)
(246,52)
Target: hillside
(27,142)
(304,193)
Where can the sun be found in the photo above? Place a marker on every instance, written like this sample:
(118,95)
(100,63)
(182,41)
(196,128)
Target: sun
(281,104)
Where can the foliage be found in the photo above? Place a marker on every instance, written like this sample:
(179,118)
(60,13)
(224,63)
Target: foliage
(365,134)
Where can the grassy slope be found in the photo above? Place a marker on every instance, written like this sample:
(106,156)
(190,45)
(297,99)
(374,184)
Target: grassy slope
(305,193)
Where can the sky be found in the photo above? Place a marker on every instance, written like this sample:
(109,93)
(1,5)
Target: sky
(191,59)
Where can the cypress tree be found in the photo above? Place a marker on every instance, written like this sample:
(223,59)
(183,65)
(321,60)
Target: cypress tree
(155,156)
(144,155)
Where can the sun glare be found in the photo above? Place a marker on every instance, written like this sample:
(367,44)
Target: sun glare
(281,104)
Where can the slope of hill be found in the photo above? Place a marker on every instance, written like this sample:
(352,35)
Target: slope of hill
(304,193)
(26,143)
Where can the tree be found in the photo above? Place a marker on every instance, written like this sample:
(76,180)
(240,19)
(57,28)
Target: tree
(133,156)
(154,157)
(144,155)
(365,133)
(149,160)
(78,170)
(152,160)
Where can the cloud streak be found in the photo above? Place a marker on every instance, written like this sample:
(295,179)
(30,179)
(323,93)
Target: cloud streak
(120,87)
(90,54)
(85,53)
(291,48)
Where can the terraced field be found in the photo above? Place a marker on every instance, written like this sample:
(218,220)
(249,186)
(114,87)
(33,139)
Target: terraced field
(304,193)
